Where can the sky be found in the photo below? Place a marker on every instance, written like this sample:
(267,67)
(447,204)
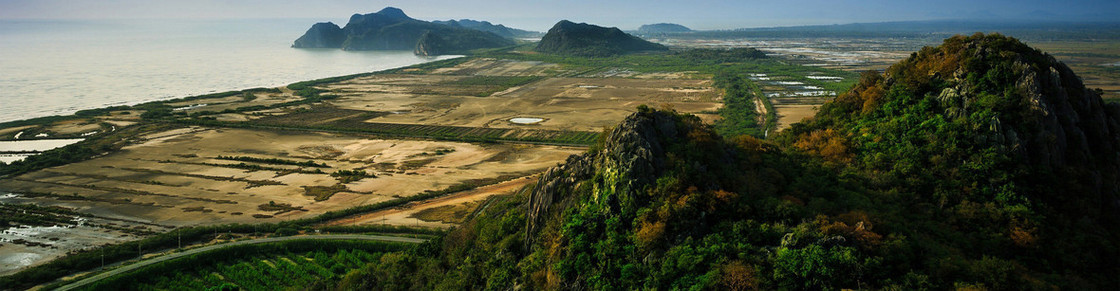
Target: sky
(541,14)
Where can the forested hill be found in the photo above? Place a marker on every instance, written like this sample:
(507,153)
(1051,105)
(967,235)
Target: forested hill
(978,164)
(582,39)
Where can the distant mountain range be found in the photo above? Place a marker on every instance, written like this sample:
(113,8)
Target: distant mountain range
(929,28)
(392,29)
(499,29)
(662,28)
(582,39)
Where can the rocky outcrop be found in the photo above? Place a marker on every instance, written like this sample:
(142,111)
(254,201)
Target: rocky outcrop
(1063,126)
(582,39)
(554,186)
(321,35)
(392,29)
(1076,127)
(631,157)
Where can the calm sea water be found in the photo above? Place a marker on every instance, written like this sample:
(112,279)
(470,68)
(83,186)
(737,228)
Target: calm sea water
(59,67)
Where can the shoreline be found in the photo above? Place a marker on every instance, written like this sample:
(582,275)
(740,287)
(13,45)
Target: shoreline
(71,111)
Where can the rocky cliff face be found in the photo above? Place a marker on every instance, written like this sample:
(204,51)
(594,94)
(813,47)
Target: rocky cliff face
(1051,122)
(584,39)
(321,35)
(1063,123)
(631,157)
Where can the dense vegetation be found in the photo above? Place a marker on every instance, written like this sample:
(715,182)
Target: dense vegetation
(109,254)
(738,114)
(942,178)
(268,266)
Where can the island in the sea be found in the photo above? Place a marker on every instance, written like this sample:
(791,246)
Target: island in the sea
(392,29)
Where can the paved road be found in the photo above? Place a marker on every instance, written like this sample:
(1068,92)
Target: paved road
(143,263)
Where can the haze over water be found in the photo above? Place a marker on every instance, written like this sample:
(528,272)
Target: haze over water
(59,67)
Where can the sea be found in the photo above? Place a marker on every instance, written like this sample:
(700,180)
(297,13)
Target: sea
(53,67)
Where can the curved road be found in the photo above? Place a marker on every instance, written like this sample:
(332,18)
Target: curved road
(143,263)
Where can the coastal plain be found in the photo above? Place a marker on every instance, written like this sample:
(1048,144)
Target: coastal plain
(263,156)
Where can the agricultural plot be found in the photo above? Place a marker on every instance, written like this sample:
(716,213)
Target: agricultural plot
(797,96)
(1097,62)
(563,104)
(498,67)
(443,212)
(329,118)
(203,176)
(239,102)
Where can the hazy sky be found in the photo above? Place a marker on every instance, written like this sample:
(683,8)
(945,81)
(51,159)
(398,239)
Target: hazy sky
(540,15)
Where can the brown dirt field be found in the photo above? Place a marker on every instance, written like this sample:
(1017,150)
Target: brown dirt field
(790,114)
(233,102)
(74,127)
(581,104)
(403,215)
(158,179)
(494,67)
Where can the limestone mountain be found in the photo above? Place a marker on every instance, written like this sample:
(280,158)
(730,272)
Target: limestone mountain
(660,28)
(498,29)
(392,29)
(582,39)
(984,102)
(321,35)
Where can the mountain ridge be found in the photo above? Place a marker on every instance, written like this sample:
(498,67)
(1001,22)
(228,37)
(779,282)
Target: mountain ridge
(498,29)
(657,28)
(392,29)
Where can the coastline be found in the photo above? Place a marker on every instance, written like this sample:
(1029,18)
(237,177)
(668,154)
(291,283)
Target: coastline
(73,112)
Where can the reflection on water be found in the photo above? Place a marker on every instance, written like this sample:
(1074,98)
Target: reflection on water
(11,151)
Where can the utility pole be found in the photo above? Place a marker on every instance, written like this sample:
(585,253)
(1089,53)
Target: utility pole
(179,235)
